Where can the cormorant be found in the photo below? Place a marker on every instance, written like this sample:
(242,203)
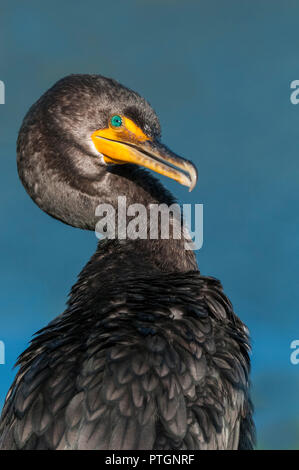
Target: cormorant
(148,353)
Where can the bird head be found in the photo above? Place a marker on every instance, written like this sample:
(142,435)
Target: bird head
(74,137)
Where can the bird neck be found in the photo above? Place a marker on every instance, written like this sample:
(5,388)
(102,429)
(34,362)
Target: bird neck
(154,239)
(143,256)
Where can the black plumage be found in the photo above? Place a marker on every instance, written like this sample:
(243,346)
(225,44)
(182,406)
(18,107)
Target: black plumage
(149,353)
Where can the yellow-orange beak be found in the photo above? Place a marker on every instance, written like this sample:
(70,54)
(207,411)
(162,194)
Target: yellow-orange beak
(130,145)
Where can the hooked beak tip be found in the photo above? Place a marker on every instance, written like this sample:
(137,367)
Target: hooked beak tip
(193,175)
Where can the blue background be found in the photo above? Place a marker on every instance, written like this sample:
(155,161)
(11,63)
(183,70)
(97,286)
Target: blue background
(218,74)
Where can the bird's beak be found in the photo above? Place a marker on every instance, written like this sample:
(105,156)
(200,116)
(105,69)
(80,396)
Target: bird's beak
(135,147)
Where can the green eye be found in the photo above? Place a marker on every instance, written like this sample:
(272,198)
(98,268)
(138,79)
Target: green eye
(116,121)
